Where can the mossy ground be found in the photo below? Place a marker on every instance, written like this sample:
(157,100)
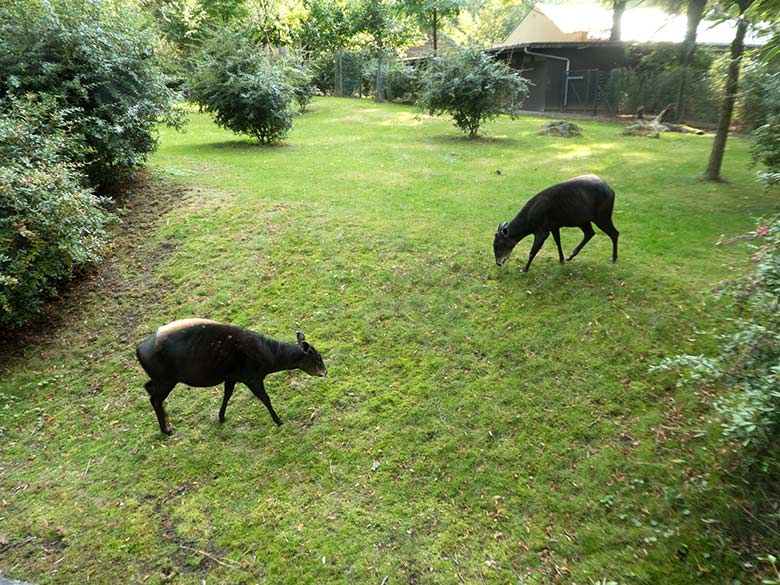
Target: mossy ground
(518,435)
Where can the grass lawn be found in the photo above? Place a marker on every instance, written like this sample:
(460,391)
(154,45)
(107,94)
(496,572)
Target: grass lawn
(477,425)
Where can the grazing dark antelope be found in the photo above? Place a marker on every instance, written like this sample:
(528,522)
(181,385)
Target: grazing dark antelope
(573,203)
(201,353)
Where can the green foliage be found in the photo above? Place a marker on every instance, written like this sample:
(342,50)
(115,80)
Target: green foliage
(766,150)
(472,88)
(760,88)
(326,27)
(274,23)
(241,88)
(628,88)
(426,11)
(431,15)
(747,364)
(402,82)
(483,23)
(354,68)
(301,78)
(49,223)
(380,26)
(100,66)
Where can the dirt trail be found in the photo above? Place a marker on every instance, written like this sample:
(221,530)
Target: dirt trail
(113,293)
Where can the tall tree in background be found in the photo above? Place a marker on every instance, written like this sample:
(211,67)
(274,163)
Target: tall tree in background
(328,27)
(224,10)
(483,23)
(383,27)
(730,90)
(430,14)
(694,13)
(618,8)
(275,21)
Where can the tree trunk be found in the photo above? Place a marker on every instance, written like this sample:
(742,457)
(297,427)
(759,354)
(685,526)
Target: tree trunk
(435,32)
(727,105)
(617,16)
(379,93)
(338,83)
(694,13)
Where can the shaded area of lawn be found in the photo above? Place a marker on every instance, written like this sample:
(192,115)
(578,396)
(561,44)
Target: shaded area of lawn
(516,430)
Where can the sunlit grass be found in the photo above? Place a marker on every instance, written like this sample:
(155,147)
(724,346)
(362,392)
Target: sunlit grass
(518,435)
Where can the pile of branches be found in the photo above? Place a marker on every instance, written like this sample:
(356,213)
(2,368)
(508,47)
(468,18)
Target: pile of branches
(653,128)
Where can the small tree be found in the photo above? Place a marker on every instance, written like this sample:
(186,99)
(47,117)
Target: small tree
(472,88)
(237,84)
(383,28)
(301,79)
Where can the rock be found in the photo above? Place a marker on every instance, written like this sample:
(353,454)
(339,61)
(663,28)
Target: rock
(560,128)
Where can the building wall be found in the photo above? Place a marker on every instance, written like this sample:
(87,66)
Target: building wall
(546,93)
(534,70)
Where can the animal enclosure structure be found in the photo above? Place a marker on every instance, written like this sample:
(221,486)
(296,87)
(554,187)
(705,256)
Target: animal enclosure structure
(564,51)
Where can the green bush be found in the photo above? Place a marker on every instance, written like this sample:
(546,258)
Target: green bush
(472,88)
(101,68)
(766,151)
(747,365)
(49,223)
(245,93)
(760,94)
(402,82)
(301,79)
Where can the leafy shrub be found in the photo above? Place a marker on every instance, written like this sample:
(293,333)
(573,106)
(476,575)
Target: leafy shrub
(100,66)
(760,90)
(766,150)
(401,81)
(49,223)
(237,84)
(301,79)
(748,361)
(472,88)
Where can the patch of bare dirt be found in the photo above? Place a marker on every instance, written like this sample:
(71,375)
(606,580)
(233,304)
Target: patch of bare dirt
(123,282)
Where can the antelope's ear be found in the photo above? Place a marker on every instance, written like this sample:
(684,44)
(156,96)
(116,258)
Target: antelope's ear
(301,338)
(504,229)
